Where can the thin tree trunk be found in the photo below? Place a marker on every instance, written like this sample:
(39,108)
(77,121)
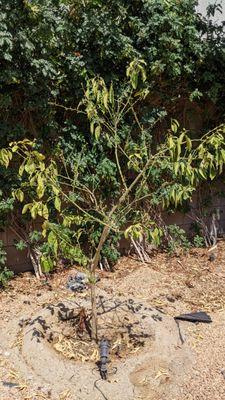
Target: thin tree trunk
(102,240)
(94,320)
(94,265)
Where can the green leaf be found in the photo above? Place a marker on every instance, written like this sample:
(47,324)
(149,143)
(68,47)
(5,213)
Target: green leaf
(176,167)
(111,95)
(42,166)
(178,150)
(202,173)
(170,142)
(212,173)
(134,80)
(189,143)
(223,154)
(97,131)
(21,169)
(34,210)
(52,240)
(19,195)
(92,127)
(156,235)
(47,264)
(55,190)
(45,212)
(40,187)
(30,167)
(26,208)
(39,156)
(57,203)
(4,157)
(105,98)
(174,125)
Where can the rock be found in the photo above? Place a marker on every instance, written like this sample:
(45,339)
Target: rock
(81,277)
(223,373)
(170,299)
(27,302)
(212,257)
(76,286)
(9,384)
(79,282)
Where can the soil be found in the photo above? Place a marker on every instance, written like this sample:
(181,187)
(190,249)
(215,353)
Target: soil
(46,352)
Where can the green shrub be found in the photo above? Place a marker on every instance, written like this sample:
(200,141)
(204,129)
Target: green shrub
(5,273)
(178,239)
(198,241)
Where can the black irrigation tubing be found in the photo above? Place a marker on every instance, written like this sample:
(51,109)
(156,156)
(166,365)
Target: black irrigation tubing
(100,391)
(100,380)
(179,331)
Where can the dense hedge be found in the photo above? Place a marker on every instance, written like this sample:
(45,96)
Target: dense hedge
(48,48)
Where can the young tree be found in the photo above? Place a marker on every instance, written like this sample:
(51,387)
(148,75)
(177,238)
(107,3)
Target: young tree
(139,178)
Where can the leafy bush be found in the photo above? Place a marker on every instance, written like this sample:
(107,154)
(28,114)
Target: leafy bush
(198,241)
(49,48)
(5,273)
(2,254)
(177,239)
(5,276)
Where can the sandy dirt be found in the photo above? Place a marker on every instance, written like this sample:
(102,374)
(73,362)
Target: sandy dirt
(164,369)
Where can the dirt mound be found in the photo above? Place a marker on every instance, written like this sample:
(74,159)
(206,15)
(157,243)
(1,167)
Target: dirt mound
(143,341)
(162,369)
